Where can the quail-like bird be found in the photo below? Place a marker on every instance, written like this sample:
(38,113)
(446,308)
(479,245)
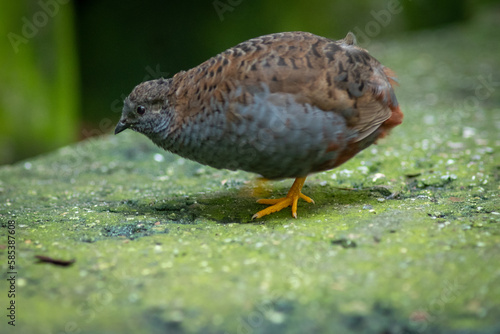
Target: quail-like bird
(283,105)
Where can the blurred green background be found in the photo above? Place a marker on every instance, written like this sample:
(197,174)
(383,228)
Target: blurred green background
(66,66)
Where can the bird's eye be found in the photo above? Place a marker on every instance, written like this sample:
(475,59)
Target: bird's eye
(140,110)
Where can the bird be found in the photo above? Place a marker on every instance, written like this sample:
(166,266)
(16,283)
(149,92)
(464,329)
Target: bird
(283,105)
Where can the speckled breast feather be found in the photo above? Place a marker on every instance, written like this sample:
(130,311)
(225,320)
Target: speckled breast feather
(255,142)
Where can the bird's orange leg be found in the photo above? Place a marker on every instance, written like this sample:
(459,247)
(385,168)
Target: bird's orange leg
(280,203)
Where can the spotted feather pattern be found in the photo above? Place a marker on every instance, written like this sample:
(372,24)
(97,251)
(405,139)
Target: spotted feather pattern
(281,105)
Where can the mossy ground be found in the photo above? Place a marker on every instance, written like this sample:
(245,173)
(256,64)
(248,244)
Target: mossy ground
(405,238)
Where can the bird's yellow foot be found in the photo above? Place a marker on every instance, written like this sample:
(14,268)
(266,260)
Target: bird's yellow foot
(256,188)
(280,203)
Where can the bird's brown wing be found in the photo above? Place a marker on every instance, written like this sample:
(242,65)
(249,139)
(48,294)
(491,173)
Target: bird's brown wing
(335,76)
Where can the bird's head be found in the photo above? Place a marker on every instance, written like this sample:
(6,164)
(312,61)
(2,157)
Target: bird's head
(147,109)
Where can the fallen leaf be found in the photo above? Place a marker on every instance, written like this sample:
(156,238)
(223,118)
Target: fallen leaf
(57,262)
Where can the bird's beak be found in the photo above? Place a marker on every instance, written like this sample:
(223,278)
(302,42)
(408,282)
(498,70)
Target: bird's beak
(122,125)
